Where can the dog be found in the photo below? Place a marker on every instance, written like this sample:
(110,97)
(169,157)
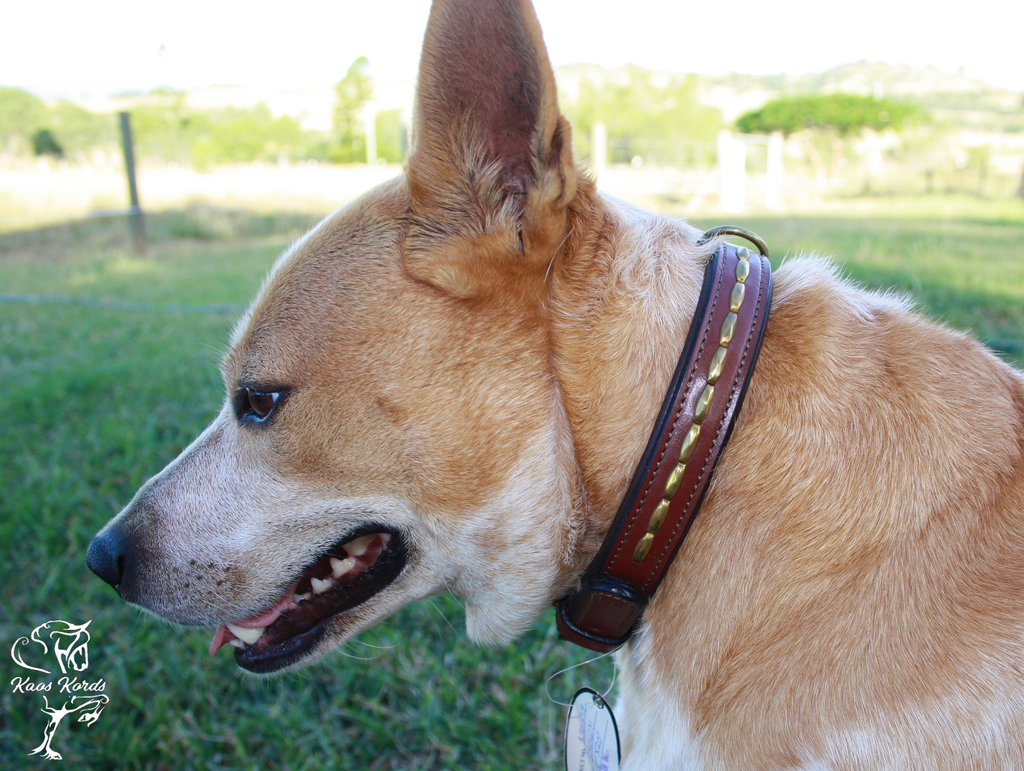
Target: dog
(446,387)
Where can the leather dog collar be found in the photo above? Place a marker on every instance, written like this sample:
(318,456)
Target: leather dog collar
(689,435)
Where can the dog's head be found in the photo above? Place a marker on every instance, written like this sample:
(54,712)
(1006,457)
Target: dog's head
(392,427)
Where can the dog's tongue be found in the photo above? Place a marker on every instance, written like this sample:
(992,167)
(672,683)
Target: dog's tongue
(220,638)
(263,619)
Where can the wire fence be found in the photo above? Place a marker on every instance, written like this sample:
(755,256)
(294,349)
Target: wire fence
(808,171)
(737,173)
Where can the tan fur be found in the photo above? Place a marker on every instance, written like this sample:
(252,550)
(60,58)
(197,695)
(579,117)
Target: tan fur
(476,353)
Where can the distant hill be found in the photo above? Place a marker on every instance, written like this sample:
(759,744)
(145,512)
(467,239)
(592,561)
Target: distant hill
(949,97)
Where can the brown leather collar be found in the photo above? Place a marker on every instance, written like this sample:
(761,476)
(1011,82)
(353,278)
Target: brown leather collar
(692,429)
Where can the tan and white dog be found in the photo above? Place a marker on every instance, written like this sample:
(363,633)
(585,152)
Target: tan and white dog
(447,385)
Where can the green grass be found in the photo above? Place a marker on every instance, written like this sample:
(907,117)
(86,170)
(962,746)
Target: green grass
(967,272)
(97,399)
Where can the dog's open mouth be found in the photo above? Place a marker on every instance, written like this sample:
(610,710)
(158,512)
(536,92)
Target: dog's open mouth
(346,575)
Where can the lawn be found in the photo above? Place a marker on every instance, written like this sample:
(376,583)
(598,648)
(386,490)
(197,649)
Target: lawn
(101,389)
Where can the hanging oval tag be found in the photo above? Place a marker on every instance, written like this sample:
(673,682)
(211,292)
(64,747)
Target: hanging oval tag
(591,735)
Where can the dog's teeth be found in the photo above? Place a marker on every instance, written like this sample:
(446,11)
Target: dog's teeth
(341,567)
(248,636)
(357,547)
(319,587)
(385,538)
(303,597)
(237,643)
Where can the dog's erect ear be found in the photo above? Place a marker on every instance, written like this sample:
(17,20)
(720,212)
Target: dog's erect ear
(490,170)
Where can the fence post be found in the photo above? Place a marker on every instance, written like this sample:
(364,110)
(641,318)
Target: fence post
(370,116)
(135,222)
(875,166)
(599,148)
(732,170)
(774,173)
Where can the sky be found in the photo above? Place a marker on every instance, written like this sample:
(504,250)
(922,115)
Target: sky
(75,49)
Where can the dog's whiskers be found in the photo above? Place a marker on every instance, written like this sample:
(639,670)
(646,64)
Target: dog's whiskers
(433,604)
(377,647)
(347,655)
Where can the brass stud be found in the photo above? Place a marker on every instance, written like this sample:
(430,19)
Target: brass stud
(728,329)
(674,480)
(689,443)
(717,365)
(643,547)
(703,404)
(742,270)
(736,299)
(743,253)
(658,517)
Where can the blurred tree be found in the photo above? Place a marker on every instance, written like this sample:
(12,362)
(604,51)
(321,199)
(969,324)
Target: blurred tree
(663,123)
(234,135)
(979,161)
(79,131)
(831,117)
(390,136)
(44,143)
(168,129)
(843,114)
(352,94)
(164,127)
(21,116)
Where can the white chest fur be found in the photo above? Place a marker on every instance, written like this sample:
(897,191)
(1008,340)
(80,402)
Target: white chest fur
(656,736)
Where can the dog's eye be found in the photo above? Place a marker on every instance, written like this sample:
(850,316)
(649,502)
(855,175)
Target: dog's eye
(255,406)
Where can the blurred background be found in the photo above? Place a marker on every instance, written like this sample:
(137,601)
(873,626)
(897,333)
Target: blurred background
(778,110)
(886,136)
(856,135)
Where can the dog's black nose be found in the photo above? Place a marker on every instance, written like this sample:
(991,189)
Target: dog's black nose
(105,556)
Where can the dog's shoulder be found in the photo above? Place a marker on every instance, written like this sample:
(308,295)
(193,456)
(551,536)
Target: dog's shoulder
(870,511)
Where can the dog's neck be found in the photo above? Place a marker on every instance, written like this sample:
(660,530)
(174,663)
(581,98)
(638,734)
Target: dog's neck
(623,292)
